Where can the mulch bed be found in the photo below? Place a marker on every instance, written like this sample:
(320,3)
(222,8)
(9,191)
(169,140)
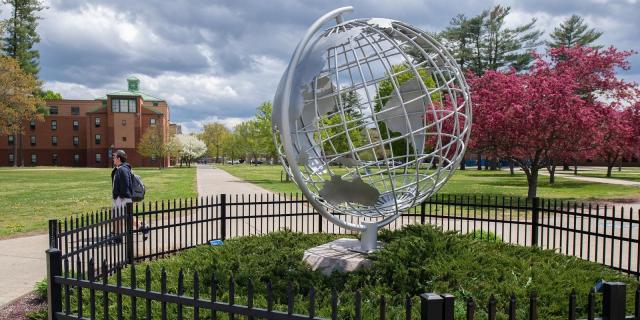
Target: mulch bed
(20,307)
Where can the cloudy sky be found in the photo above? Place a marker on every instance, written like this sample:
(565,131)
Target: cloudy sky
(218,60)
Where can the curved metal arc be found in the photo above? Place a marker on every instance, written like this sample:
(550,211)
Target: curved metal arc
(285,130)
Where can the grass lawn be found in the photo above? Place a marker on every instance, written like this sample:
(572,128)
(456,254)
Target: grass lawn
(31,196)
(465,182)
(414,260)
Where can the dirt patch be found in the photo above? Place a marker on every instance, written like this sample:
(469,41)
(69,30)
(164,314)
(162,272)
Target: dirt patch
(20,307)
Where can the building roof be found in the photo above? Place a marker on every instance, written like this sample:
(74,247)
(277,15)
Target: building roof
(152,110)
(145,96)
(133,90)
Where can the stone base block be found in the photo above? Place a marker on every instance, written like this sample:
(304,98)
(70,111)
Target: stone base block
(340,255)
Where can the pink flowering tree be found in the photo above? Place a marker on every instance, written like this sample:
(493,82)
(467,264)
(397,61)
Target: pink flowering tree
(618,134)
(526,118)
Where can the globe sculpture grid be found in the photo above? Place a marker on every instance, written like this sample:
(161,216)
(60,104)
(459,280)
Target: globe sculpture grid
(385,102)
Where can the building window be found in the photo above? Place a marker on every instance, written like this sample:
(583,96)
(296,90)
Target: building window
(123,105)
(54,125)
(54,140)
(55,158)
(34,158)
(33,140)
(97,122)
(32,124)
(124,122)
(98,158)
(75,111)
(76,140)
(152,121)
(53,110)
(11,139)
(124,139)
(76,158)
(98,139)
(153,158)
(11,157)
(155,104)
(76,124)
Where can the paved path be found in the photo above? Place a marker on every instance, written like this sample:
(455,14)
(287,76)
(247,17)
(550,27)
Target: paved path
(620,182)
(212,181)
(22,263)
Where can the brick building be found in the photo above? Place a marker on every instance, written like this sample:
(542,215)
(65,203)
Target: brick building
(83,133)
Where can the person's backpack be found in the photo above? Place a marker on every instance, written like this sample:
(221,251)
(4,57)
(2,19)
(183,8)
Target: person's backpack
(137,187)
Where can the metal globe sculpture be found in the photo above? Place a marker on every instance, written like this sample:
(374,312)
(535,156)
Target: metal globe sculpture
(371,117)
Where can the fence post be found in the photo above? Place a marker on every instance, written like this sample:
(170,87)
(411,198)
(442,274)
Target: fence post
(431,306)
(54,290)
(535,209)
(319,223)
(223,216)
(53,233)
(423,217)
(448,311)
(614,301)
(129,232)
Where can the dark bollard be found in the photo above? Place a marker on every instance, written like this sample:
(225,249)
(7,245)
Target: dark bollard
(431,306)
(614,300)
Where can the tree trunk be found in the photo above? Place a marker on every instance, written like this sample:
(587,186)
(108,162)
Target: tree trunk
(462,165)
(21,152)
(479,160)
(609,168)
(565,167)
(217,153)
(511,167)
(552,174)
(15,149)
(575,170)
(494,164)
(532,181)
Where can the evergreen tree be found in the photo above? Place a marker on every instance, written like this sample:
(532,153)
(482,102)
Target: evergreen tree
(20,33)
(573,31)
(484,42)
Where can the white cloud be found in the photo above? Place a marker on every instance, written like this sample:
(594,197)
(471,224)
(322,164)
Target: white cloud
(74,90)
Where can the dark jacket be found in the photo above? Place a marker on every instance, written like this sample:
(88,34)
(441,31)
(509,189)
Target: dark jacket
(121,181)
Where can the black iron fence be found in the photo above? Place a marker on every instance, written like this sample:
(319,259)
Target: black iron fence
(603,234)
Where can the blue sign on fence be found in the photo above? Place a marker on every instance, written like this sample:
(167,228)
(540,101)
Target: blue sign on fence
(216,242)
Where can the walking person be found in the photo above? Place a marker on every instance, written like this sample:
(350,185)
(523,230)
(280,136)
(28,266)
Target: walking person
(120,191)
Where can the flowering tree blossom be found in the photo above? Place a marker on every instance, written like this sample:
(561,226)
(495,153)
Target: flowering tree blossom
(192,148)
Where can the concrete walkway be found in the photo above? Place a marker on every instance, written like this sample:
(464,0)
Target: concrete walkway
(22,264)
(212,181)
(599,180)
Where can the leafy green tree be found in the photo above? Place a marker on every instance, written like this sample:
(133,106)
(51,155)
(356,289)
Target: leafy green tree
(248,138)
(335,139)
(573,31)
(231,146)
(152,145)
(50,95)
(20,33)
(17,103)
(214,135)
(263,121)
(385,91)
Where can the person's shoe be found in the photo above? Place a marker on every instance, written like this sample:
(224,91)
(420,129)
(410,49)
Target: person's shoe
(145,231)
